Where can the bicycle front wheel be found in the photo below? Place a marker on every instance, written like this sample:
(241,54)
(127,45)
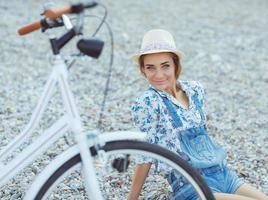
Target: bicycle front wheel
(115,170)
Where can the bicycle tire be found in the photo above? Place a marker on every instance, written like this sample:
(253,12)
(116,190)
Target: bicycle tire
(127,145)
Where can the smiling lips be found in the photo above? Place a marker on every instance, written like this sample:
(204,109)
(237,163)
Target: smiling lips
(159,82)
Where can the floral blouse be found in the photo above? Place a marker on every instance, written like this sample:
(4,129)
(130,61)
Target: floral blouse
(150,115)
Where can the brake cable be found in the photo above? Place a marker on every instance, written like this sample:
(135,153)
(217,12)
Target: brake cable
(106,89)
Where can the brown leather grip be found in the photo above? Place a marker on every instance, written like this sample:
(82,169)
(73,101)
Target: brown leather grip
(30,28)
(57,12)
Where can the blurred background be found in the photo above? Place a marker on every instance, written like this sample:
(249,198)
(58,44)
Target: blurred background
(226,48)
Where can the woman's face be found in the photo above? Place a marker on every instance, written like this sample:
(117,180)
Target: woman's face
(159,69)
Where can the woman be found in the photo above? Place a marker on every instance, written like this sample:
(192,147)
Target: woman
(171,112)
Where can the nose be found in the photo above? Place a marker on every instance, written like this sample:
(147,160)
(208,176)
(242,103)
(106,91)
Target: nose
(159,74)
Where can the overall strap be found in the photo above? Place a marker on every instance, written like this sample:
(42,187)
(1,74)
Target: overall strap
(198,104)
(176,121)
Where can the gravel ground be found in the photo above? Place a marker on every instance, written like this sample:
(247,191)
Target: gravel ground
(226,47)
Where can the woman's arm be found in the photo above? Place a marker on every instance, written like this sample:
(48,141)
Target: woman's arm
(138,179)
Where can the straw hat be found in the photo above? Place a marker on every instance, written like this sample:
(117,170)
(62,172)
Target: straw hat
(156,41)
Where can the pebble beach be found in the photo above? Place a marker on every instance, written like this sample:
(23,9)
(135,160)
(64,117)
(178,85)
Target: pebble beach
(226,49)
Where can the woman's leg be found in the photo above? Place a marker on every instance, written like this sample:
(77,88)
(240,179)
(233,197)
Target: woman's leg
(225,196)
(249,191)
(244,192)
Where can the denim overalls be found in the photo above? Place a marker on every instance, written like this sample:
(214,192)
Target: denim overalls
(204,155)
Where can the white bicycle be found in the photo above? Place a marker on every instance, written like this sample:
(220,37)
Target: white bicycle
(104,161)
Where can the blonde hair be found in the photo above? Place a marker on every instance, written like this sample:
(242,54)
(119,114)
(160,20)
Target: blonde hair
(175,59)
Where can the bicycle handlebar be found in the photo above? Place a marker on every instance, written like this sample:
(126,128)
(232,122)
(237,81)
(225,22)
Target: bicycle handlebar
(30,28)
(53,14)
(57,12)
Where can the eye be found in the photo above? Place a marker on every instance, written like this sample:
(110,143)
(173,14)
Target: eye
(165,66)
(149,68)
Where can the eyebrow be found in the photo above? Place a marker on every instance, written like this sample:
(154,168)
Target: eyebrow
(160,64)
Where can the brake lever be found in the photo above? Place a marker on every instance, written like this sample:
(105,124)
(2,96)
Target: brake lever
(48,24)
(67,22)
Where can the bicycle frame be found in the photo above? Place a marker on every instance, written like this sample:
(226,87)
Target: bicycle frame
(70,121)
